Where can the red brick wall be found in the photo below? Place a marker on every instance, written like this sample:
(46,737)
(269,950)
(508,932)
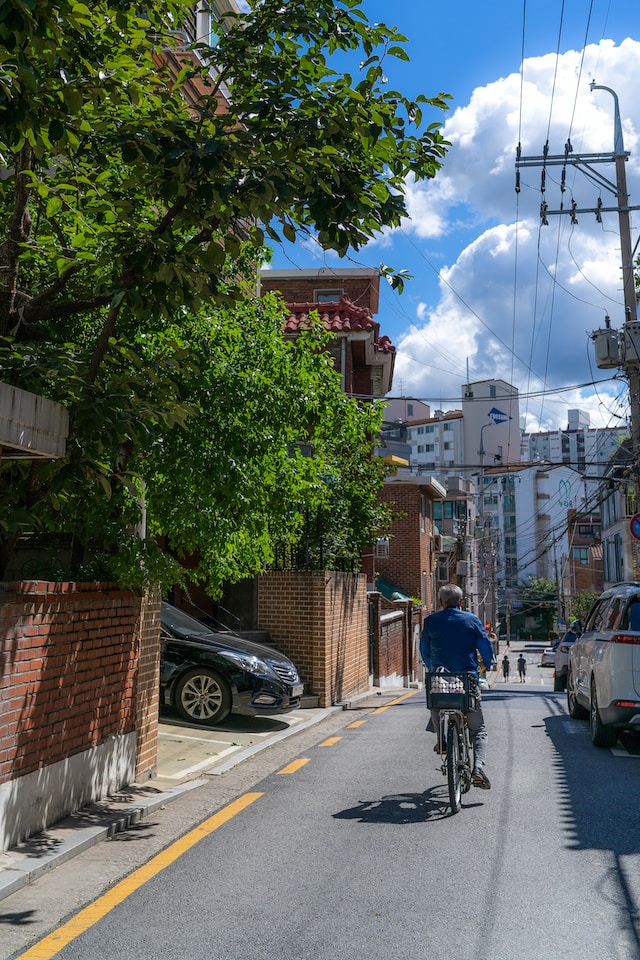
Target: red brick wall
(410,551)
(363,291)
(391,653)
(319,620)
(79,665)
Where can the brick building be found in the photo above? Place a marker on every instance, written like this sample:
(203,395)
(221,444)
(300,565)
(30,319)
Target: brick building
(407,560)
(345,301)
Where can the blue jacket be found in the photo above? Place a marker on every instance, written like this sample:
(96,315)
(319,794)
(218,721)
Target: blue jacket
(451,638)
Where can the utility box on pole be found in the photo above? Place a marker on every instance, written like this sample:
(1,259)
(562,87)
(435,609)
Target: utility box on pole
(607,348)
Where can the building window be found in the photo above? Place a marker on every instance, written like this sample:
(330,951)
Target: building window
(448,445)
(328,296)
(420,429)
(492,391)
(423,513)
(431,428)
(581,555)
(429,447)
(447,426)
(421,448)
(409,409)
(586,530)
(382,548)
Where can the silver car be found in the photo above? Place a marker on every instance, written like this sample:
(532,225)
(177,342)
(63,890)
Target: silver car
(603,681)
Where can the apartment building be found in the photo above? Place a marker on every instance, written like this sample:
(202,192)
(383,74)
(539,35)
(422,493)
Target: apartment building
(529,524)
(581,446)
(536,511)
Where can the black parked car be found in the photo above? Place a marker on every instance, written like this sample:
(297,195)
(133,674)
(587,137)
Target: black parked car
(205,674)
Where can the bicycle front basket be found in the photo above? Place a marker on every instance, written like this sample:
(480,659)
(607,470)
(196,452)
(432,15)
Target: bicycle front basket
(449,691)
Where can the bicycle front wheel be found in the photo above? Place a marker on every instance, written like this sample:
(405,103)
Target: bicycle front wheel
(453,766)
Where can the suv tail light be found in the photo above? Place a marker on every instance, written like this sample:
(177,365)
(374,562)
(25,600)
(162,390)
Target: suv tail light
(630,638)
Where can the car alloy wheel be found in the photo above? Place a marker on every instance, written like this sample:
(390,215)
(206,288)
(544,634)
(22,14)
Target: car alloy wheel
(203,696)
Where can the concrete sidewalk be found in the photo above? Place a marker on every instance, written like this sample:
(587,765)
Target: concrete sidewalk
(188,756)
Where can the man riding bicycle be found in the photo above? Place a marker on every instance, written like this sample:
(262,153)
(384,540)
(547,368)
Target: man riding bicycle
(451,639)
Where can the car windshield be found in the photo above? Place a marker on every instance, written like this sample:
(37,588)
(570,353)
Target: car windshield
(181,624)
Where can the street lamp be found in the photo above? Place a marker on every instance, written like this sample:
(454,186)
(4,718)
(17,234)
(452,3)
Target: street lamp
(482,451)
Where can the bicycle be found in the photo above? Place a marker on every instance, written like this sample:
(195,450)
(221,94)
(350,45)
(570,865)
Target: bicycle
(452,694)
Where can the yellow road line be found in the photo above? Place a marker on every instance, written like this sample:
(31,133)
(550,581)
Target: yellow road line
(293,767)
(330,742)
(356,723)
(392,703)
(86,918)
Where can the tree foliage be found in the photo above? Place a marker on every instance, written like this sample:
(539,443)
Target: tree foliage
(133,209)
(539,599)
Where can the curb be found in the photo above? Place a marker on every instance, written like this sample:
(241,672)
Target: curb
(99,821)
(70,837)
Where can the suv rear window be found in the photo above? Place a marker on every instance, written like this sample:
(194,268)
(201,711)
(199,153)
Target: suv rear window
(631,618)
(597,616)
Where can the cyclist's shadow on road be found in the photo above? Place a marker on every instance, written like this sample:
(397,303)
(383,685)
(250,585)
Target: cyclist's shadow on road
(401,808)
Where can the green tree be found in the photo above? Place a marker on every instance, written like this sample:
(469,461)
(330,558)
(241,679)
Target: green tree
(581,604)
(539,599)
(132,210)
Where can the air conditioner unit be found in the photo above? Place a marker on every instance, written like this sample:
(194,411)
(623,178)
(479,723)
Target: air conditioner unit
(439,542)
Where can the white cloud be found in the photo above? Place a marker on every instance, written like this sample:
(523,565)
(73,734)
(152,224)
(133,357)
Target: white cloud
(500,313)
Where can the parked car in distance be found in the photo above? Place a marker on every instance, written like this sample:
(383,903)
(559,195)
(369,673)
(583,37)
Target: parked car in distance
(548,657)
(561,661)
(603,681)
(207,674)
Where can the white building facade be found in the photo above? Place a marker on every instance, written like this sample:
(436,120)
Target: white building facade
(581,446)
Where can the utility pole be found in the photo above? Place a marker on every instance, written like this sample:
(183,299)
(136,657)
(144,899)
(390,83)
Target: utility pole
(611,350)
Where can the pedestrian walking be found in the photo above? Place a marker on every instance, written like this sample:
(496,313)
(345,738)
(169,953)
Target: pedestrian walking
(506,666)
(522,668)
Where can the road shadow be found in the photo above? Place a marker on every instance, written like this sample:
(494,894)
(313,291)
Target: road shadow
(402,808)
(234,723)
(598,793)
(21,918)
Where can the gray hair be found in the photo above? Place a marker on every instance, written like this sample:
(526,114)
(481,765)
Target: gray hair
(450,595)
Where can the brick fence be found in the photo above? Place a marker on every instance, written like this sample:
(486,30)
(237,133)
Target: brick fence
(79,666)
(319,620)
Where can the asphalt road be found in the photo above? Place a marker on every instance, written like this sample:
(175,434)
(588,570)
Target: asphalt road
(338,843)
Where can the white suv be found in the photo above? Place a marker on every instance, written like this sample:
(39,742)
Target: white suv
(603,681)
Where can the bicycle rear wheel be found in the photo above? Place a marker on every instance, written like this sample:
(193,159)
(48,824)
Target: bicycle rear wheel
(453,766)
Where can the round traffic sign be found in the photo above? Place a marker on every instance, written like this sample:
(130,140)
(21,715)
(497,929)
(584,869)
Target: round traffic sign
(634,526)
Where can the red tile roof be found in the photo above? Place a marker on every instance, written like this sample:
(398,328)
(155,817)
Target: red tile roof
(343,316)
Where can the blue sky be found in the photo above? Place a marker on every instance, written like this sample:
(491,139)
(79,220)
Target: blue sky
(495,294)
